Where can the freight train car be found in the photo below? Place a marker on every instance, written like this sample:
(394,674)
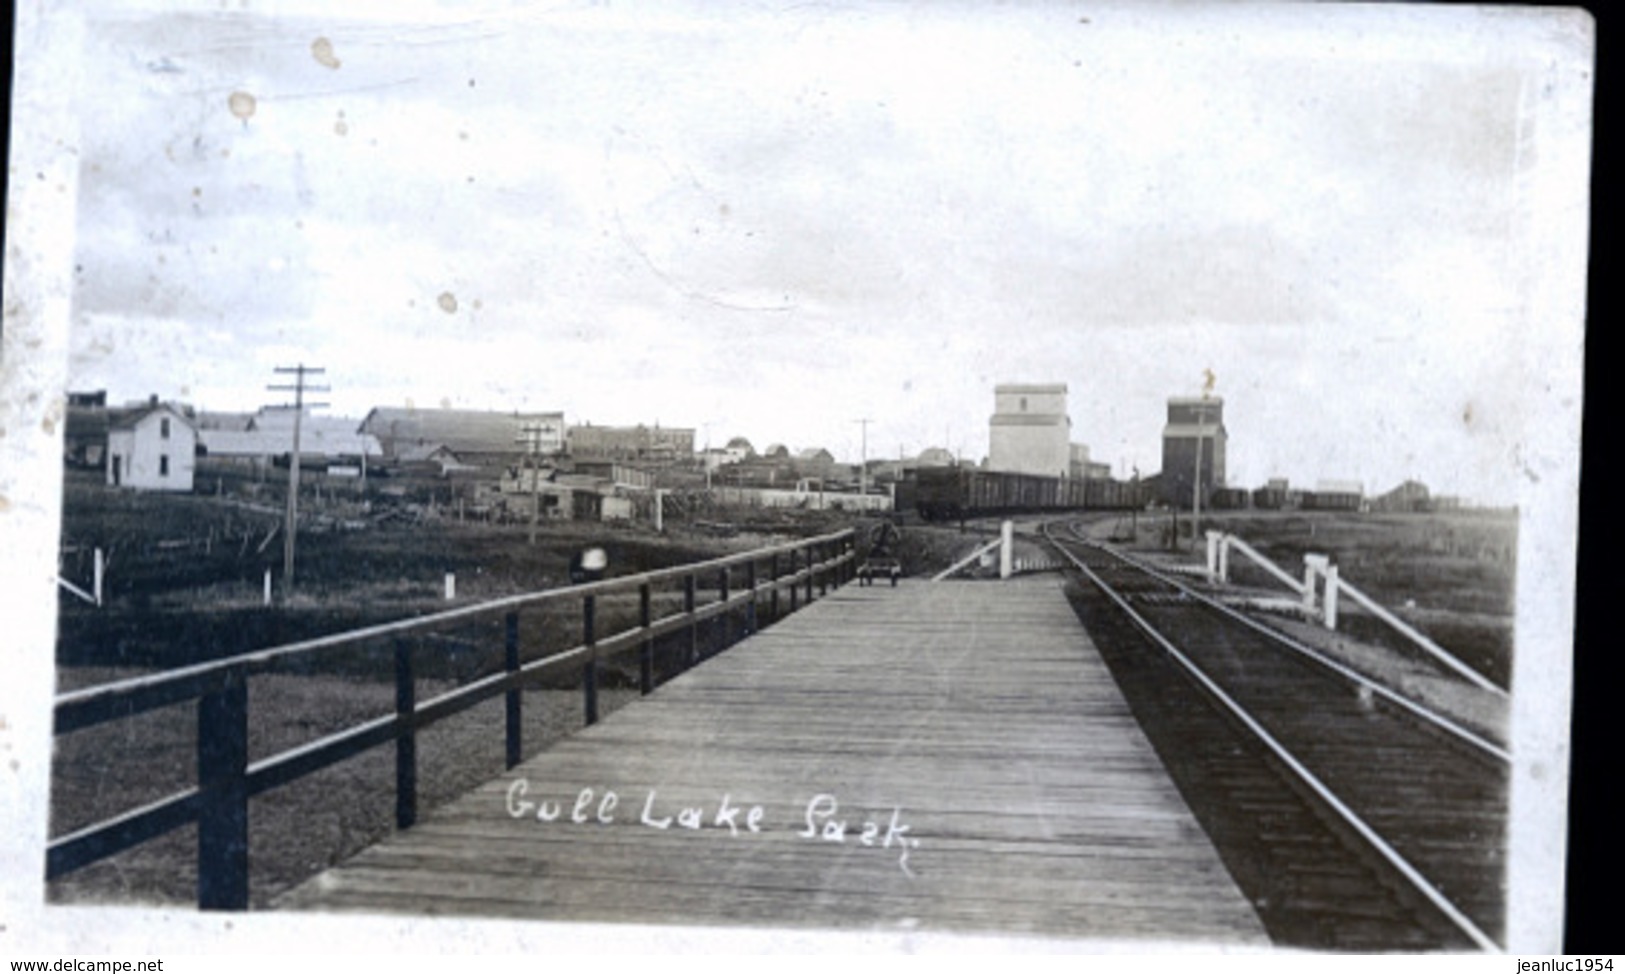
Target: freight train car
(952,493)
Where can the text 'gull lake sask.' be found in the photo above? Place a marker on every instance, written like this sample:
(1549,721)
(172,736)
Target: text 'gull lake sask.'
(820,820)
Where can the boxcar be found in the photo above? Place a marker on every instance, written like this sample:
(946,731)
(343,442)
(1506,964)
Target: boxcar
(951,493)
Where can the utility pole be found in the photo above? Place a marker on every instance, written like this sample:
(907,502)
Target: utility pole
(532,434)
(863,468)
(1196,486)
(290,528)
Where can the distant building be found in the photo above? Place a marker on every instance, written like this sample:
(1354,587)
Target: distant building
(814,462)
(151,448)
(265,439)
(1412,496)
(739,450)
(1030,431)
(84,430)
(1192,422)
(486,440)
(1276,494)
(88,400)
(934,456)
(645,444)
(1336,495)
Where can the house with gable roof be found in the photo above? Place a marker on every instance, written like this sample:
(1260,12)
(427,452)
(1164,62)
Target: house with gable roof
(151,447)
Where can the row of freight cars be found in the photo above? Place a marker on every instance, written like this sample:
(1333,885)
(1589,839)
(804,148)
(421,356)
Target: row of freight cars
(951,493)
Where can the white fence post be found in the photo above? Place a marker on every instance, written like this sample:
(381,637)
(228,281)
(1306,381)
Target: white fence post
(1212,555)
(1006,543)
(1224,558)
(1330,604)
(1312,566)
(267,586)
(451,586)
(100,570)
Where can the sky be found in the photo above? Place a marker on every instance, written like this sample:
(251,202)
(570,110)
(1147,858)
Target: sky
(778,222)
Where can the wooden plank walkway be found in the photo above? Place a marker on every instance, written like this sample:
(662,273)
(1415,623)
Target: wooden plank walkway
(988,773)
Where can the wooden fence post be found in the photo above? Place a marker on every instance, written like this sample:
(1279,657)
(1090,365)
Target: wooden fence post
(514,701)
(750,607)
(406,742)
(222,830)
(795,584)
(773,598)
(589,669)
(812,569)
(722,617)
(646,665)
(693,624)
(823,574)
(1330,601)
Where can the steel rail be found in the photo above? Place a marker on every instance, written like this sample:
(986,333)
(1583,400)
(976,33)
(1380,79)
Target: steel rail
(1411,874)
(1464,734)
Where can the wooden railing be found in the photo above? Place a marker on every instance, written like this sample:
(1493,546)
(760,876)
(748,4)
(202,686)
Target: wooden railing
(226,779)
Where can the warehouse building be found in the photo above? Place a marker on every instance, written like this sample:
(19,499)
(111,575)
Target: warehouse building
(1030,431)
(644,444)
(1192,423)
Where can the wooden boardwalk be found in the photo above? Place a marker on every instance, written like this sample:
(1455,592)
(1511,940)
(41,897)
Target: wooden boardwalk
(988,773)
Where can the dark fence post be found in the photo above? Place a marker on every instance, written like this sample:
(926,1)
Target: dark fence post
(722,617)
(823,575)
(589,669)
(222,760)
(750,607)
(773,598)
(810,555)
(513,699)
(693,625)
(795,583)
(646,666)
(406,741)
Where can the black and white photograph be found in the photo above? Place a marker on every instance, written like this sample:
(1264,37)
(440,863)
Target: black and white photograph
(1041,476)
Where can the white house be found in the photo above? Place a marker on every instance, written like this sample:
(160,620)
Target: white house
(151,448)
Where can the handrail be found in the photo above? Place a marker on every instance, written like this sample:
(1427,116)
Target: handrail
(227,780)
(77,708)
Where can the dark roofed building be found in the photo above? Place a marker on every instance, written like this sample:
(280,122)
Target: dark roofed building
(476,437)
(84,436)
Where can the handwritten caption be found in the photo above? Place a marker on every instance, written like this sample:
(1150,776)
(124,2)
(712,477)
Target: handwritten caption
(821,819)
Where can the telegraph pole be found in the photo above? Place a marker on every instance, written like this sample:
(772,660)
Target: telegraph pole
(532,435)
(1196,487)
(290,528)
(863,468)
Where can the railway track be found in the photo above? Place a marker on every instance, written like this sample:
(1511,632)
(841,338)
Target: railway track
(1353,818)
